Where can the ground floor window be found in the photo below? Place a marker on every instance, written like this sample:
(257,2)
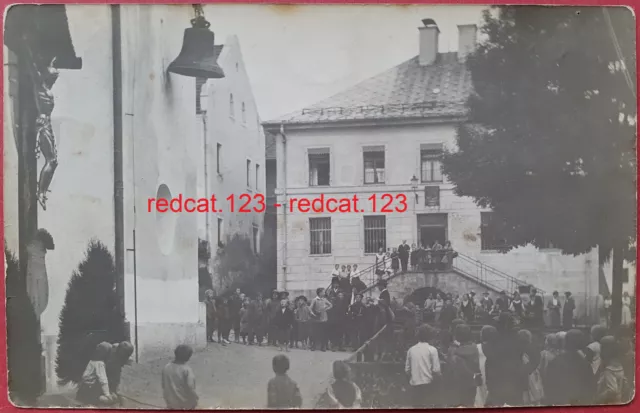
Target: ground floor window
(375,233)
(320,236)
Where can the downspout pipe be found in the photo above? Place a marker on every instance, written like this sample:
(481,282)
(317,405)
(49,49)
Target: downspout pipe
(118,180)
(284,209)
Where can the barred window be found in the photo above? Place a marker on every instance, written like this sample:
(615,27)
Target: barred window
(320,235)
(373,158)
(430,165)
(492,232)
(375,233)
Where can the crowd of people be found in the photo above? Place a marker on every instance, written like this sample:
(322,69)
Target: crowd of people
(505,366)
(416,257)
(337,318)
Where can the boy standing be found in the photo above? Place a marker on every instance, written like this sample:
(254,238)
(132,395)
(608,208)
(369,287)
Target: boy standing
(179,382)
(283,322)
(282,392)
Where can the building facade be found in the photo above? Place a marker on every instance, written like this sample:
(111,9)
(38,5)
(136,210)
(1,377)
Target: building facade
(381,139)
(159,160)
(232,156)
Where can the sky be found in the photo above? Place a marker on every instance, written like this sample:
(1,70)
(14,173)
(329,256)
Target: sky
(296,55)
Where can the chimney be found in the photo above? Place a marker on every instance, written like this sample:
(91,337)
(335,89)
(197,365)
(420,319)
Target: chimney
(428,42)
(467,38)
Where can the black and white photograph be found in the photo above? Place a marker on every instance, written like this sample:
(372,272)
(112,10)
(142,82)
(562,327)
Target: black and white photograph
(254,206)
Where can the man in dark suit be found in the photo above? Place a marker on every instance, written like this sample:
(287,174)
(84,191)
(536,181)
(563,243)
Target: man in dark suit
(404,250)
(384,293)
(283,322)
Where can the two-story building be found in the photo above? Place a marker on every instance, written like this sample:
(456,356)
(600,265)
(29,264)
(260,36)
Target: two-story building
(232,143)
(385,136)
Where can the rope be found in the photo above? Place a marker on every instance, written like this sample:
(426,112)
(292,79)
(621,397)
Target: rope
(141,403)
(366,344)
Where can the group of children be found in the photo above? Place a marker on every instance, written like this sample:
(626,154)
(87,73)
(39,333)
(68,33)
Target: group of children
(336,318)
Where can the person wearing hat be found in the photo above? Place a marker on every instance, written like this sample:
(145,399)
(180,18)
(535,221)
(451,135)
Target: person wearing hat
(502,302)
(536,308)
(486,302)
(356,316)
(567,311)
(357,285)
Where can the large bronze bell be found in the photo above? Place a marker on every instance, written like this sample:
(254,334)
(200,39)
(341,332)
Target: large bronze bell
(197,59)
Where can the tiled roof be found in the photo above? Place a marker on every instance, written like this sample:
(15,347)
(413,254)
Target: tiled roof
(408,90)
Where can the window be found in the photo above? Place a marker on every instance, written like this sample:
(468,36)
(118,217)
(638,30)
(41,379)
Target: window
(220,233)
(430,164)
(248,173)
(373,165)
(257,176)
(320,235)
(256,247)
(492,232)
(319,167)
(375,233)
(218,151)
(232,113)
(244,114)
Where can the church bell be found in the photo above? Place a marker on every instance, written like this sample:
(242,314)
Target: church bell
(197,58)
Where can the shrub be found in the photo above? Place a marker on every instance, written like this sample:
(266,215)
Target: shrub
(24,350)
(90,313)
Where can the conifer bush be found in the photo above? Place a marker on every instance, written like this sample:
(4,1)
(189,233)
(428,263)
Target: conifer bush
(90,313)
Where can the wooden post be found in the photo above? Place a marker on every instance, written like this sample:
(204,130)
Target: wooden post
(27,113)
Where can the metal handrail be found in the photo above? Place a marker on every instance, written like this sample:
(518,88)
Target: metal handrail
(368,275)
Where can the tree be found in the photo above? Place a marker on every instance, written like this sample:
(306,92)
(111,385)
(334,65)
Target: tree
(550,135)
(24,350)
(90,314)
(237,266)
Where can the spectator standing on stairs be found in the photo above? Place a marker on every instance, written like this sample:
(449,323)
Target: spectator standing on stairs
(403,252)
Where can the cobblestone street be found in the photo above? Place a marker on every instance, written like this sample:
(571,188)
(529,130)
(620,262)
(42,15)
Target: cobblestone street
(234,376)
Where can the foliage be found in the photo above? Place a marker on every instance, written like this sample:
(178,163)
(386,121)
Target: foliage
(549,140)
(237,266)
(205,281)
(90,313)
(23,338)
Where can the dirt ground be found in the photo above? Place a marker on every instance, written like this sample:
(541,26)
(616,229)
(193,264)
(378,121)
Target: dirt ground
(234,376)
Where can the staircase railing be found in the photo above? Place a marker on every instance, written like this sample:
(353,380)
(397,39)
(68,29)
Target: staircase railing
(470,267)
(488,275)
